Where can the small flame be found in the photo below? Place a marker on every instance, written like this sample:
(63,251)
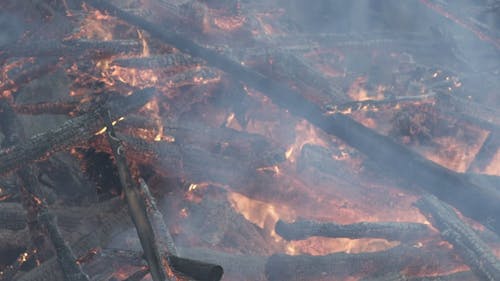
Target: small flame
(306,133)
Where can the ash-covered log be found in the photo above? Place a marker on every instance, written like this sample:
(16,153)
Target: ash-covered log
(401,231)
(472,200)
(12,216)
(70,132)
(306,267)
(460,276)
(473,250)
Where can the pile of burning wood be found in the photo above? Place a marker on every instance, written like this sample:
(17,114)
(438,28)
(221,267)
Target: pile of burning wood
(249,140)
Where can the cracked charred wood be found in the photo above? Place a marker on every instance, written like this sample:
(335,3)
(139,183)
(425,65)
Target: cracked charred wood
(13,240)
(46,108)
(65,257)
(69,133)
(12,216)
(136,204)
(70,48)
(460,276)
(400,231)
(175,60)
(229,142)
(476,254)
(399,161)
(138,275)
(307,267)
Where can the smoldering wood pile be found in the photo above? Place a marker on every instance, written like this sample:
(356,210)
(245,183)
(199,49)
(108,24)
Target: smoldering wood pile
(134,133)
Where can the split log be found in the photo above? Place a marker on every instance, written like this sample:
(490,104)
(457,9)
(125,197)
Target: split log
(69,133)
(400,231)
(396,159)
(473,250)
(306,267)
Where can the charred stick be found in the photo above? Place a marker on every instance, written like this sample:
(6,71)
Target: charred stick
(46,108)
(400,231)
(397,159)
(473,250)
(159,61)
(69,133)
(195,269)
(164,238)
(40,68)
(136,205)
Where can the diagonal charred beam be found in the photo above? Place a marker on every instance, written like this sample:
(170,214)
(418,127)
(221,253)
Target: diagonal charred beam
(487,152)
(136,205)
(401,231)
(474,251)
(69,133)
(472,200)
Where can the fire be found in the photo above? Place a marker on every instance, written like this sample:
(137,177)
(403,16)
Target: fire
(306,133)
(262,214)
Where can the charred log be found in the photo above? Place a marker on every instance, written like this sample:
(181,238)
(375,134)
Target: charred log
(460,276)
(306,267)
(400,231)
(474,251)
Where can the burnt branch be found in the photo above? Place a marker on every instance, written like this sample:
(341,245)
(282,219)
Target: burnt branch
(136,204)
(400,231)
(69,133)
(460,276)
(474,251)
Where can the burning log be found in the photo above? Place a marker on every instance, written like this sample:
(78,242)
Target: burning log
(479,203)
(306,267)
(159,61)
(136,205)
(71,132)
(28,73)
(474,251)
(400,231)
